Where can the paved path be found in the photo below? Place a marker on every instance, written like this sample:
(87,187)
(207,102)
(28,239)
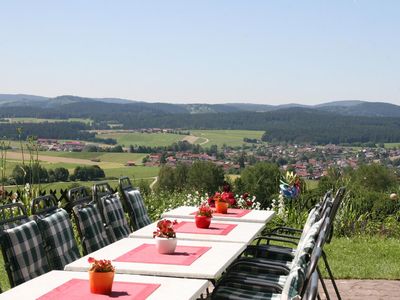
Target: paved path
(365,289)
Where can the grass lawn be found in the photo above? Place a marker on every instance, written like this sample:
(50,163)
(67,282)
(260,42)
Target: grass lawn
(144,139)
(364,258)
(232,138)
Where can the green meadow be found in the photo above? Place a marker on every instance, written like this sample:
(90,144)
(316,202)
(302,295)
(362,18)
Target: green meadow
(231,138)
(143,139)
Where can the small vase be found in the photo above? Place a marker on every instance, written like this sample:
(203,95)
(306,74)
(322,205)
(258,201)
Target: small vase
(203,221)
(221,207)
(101,282)
(166,246)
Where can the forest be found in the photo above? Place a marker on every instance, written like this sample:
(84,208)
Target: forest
(294,125)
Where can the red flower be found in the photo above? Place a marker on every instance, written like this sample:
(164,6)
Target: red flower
(165,228)
(100,265)
(228,197)
(211,201)
(205,210)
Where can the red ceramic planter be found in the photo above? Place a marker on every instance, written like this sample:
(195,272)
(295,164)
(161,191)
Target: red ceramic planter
(203,221)
(101,282)
(221,207)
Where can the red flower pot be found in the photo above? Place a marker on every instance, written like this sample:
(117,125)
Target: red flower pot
(101,282)
(203,221)
(221,207)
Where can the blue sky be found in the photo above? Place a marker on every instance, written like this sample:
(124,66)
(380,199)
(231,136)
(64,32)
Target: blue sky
(213,51)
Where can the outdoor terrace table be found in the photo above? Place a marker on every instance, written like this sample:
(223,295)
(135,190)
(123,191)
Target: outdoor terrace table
(236,215)
(192,259)
(219,231)
(68,283)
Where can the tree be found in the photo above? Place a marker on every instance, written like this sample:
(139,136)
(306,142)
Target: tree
(61,174)
(205,177)
(166,179)
(29,174)
(87,173)
(261,180)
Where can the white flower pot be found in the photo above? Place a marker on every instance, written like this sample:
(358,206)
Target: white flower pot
(165,246)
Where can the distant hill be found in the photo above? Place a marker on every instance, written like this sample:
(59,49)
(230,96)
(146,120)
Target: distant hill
(68,104)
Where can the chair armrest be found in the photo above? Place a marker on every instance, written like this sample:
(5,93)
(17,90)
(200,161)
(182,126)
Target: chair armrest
(286,236)
(287,229)
(270,238)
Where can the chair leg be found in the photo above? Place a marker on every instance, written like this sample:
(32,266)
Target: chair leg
(328,269)
(323,284)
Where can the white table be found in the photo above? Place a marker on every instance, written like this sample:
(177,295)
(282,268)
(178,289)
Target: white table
(254,216)
(41,285)
(242,233)
(208,266)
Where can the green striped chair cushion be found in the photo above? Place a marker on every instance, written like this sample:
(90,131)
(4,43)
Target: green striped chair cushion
(294,284)
(91,227)
(23,246)
(232,293)
(137,208)
(306,246)
(58,238)
(114,217)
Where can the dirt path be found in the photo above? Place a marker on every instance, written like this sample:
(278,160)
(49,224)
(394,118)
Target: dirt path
(193,139)
(53,159)
(154,182)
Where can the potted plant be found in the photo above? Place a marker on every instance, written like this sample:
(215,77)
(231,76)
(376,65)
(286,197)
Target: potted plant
(101,276)
(203,216)
(221,203)
(165,236)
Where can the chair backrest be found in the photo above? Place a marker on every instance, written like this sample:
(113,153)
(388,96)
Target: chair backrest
(114,217)
(12,214)
(125,183)
(136,208)
(334,209)
(58,237)
(90,227)
(23,253)
(78,195)
(43,204)
(101,189)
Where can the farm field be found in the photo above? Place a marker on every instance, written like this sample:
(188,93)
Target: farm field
(103,156)
(232,138)
(392,145)
(113,164)
(143,139)
(39,120)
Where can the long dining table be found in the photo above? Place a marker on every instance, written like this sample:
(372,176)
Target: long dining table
(191,259)
(234,214)
(62,285)
(219,231)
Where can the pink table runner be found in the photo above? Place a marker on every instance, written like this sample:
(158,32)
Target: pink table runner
(77,289)
(215,228)
(232,212)
(147,253)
